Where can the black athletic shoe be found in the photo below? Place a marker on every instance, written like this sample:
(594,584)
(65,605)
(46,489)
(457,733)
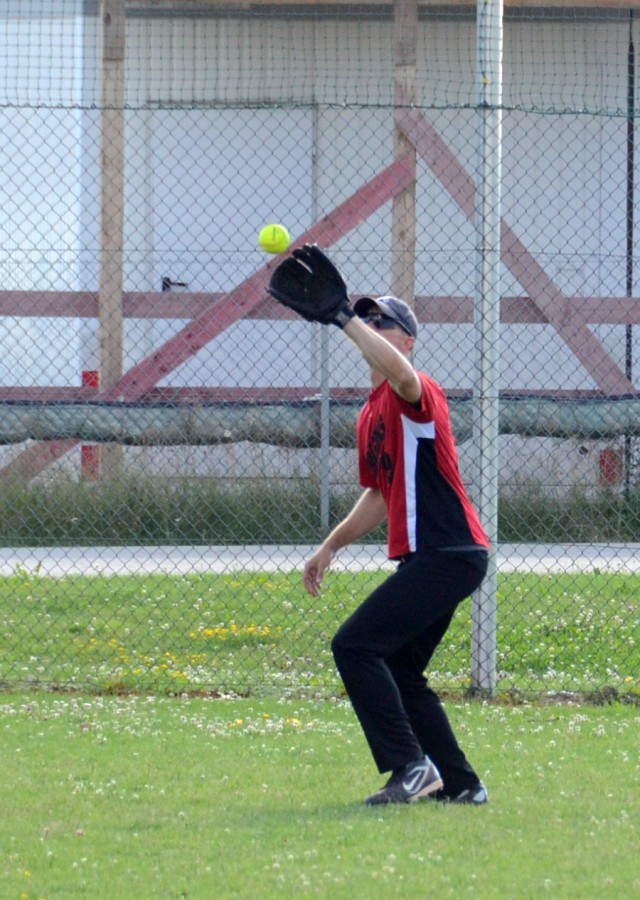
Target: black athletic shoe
(415,781)
(476,796)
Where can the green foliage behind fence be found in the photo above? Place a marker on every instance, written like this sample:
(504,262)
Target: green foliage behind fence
(206,511)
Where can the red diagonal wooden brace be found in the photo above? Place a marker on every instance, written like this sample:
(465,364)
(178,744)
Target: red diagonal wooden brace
(234,306)
(546,295)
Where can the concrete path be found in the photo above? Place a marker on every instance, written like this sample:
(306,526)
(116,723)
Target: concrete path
(58,562)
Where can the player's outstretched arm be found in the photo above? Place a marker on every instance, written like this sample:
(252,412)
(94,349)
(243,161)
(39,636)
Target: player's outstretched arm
(311,285)
(369,512)
(390,360)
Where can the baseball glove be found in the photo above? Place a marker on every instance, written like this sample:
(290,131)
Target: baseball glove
(309,284)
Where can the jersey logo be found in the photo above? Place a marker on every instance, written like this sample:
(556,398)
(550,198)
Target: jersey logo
(380,463)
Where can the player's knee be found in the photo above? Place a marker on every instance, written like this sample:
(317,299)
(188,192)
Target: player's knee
(342,646)
(347,647)
(337,644)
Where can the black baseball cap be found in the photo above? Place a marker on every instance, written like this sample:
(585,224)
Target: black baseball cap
(390,307)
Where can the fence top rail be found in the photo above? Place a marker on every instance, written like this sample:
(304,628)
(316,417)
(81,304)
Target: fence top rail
(203,6)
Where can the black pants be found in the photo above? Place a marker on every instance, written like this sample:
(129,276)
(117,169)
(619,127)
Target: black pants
(382,650)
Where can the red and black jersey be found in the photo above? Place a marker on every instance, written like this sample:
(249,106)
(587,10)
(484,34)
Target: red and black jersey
(408,452)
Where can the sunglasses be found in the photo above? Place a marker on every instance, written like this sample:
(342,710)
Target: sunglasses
(383,323)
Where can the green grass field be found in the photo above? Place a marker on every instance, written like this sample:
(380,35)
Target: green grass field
(121,780)
(141,798)
(259,634)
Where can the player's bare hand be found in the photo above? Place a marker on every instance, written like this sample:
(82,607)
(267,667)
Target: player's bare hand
(312,579)
(314,570)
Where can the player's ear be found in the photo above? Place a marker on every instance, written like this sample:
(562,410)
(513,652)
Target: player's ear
(409,344)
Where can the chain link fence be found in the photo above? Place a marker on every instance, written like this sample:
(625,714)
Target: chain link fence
(173,443)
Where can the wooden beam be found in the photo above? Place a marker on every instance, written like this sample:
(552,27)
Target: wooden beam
(112,192)
(553,305)
(235,305)
(442,310)
(240,301)
(111,325)
(403,217)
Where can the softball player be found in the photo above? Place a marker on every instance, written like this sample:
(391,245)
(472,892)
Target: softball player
(408,469)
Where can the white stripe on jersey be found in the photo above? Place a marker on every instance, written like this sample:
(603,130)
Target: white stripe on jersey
(412,432)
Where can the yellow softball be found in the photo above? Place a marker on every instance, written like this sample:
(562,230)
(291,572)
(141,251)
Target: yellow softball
(274,238)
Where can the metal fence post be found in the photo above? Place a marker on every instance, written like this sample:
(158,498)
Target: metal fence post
(487,324)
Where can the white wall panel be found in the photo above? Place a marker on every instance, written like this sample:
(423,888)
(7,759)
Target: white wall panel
(205,168)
